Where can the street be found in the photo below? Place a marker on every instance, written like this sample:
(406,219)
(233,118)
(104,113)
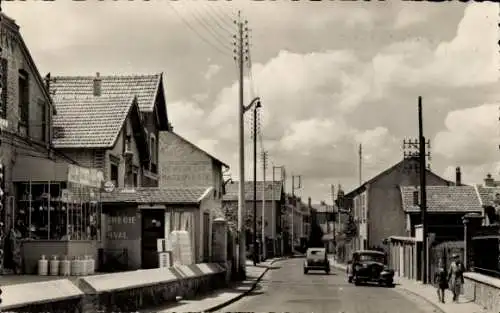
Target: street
(287,289)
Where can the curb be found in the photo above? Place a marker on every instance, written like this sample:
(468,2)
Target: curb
(243,294)
(421,297)
(401,288)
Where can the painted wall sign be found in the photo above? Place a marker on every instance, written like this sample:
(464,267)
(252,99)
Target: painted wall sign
(85,176)
(123,226)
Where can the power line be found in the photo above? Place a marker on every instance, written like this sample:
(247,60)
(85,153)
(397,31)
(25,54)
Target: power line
(195,31)
(221,21)
(211,30)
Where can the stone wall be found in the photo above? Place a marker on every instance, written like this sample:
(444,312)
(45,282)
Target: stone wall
(483,290)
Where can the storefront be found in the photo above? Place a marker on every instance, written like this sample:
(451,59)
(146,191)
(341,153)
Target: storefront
(57,211)
(134,220)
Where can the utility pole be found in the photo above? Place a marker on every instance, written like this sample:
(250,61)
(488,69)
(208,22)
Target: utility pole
(333,215)
(240,58)
(274,209)
(299,178)
(360,165)
(417,152)
(264,187)
(255,243)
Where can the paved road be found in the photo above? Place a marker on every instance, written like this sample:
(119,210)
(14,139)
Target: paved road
(287,289)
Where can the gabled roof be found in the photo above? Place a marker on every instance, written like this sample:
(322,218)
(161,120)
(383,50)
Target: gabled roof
(146,195)
(443,199)
(232,191)
(487,194)
(90,122)
(10,24)
(145,87)
(196,147)
(400,164)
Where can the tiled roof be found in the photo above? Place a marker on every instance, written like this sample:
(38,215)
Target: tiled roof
(144,87)
(145,195)
(90,122)
(444,199)
(232,191)
(487,194)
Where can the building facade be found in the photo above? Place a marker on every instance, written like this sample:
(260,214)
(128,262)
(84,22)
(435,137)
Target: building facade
(149,113)
(183,164)
(377,204)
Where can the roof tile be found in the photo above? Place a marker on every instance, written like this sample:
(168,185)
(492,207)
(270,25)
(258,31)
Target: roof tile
(144,87)
(90,122)
(444,199)
(488,194)
(188,195)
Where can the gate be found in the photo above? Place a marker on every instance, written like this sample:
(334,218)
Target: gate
(443,253)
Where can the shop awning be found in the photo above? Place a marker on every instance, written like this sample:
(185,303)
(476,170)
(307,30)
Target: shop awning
(34,168)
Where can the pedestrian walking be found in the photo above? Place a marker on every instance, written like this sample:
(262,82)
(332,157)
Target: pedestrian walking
(441,281)
(456,277)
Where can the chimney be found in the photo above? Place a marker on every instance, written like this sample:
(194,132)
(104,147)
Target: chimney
(458,176)
(97,85)
(309,201)
(489,181)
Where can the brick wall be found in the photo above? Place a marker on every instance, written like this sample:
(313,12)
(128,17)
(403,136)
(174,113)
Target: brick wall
(183,165)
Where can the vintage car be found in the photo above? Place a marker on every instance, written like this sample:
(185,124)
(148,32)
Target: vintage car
(369,266)
(316,259)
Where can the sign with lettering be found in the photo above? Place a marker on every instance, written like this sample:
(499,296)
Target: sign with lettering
(123,226)
(85,176)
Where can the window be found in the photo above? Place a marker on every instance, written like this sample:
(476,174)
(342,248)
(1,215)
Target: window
(125,138)
(135,176)
(43,120)
(152,150)
(114,174)
(24,101)
(3,81)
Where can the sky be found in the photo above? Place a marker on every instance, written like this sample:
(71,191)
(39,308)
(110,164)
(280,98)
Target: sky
(330,76)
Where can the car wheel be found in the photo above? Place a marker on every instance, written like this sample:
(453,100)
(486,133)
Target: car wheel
(356,282)
(349,280)
(327,271)
(305,271)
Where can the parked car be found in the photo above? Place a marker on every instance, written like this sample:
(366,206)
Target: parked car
(369,266)
(316,259)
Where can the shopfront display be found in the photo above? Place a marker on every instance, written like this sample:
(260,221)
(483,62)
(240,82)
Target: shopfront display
(60,218)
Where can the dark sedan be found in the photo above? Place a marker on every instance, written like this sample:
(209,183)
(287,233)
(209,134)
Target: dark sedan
(370,266)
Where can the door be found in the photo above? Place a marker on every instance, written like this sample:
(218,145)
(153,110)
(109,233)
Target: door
(206,237)
(152,229)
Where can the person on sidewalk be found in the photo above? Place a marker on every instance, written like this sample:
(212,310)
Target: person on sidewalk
(441,281)
(456,277)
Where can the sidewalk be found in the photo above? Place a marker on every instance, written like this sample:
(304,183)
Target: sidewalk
(220,298)
(428,292)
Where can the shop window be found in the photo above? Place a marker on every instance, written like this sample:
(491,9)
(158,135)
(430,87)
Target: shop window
(58,211)
(113,175)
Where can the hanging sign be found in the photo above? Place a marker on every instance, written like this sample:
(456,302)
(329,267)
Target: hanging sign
(85,176)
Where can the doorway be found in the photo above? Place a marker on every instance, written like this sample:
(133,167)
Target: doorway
(153,228)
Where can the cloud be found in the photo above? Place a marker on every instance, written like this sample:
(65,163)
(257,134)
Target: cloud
(213,69)
(469,131)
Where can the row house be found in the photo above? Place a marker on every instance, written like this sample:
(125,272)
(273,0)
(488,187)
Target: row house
(377,205)
(274,199)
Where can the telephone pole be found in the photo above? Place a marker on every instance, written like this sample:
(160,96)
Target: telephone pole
(264,187)
(299,178)
(360,165)
(415,150)
(333,215)
(282,168)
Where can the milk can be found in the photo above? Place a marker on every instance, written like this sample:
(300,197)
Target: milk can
(54,266)
(43,265)
(76,267)
(65,266)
